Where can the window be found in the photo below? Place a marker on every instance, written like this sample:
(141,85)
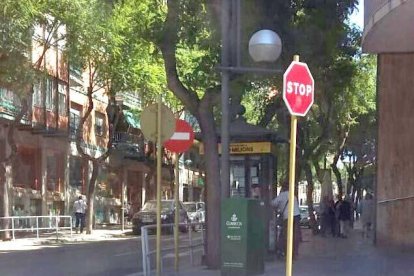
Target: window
(24,170)
(75,117)
(75,171)
(49,93)
(62,100)
(37,94)
(99,124)
(51,165)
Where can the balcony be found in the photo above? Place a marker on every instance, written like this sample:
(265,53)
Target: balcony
(129,145)
(10,106)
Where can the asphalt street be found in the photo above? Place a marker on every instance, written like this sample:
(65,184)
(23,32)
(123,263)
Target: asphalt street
(115,257)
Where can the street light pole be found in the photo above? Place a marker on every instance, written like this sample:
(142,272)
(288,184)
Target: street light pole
(225,78)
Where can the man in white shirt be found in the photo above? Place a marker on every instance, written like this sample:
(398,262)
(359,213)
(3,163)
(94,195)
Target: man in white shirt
(281,205)
(79,207)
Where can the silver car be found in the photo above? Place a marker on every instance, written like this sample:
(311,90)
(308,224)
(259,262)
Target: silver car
(195,212)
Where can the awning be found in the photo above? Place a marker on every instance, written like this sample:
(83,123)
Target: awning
(132,119)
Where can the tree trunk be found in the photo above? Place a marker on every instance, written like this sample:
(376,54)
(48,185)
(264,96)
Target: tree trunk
(338,179)
(90,197)
(5,210)
(213,198)
(309,196)
(6,166)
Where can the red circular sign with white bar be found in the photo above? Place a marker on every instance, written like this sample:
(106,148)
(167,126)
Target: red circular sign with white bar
(182,138)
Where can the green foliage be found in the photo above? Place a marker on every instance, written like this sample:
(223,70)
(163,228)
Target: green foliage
(17,24)
(197,51)
(16,21)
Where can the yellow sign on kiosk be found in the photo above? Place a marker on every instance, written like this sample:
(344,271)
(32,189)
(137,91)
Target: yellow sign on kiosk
(246,148)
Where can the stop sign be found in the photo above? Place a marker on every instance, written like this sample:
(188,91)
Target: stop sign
(182,139)
(298,88)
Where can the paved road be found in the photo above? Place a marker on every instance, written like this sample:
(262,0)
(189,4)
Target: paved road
(95,258)
(115,257)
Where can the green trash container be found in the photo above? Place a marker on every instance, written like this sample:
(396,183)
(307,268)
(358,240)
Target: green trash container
(242,237)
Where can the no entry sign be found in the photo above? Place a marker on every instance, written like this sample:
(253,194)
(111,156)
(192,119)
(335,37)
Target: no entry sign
(298,88)
(182,139)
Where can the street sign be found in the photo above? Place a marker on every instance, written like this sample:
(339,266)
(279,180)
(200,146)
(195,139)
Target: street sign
(149,122)
(182,139)
(298,88)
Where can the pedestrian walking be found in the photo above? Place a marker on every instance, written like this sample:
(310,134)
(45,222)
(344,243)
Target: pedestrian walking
(332,218)
(337,205)
(345,214)
(280,203)
(327,216)
(367,212)
(79,207)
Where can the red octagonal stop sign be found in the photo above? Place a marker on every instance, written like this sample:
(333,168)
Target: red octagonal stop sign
(182,138)
(298,88)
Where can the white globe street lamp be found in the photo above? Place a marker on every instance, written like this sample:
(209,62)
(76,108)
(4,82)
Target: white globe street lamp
(265,46)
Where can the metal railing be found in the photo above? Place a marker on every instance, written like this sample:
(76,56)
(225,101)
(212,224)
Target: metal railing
(146,252)
(35,223)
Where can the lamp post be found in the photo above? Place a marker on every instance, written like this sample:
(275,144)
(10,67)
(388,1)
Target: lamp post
(188,163)
(264,46)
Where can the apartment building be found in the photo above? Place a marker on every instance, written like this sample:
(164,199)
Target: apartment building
(48,173)
(37,181)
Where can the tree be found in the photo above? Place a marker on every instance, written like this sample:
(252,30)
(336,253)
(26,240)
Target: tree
(15,23)
(187,33)
(102,44)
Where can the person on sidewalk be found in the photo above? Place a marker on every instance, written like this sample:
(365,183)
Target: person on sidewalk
(332,218)
(280,203)
(345,214)
(367,211)
(328,216)
(337,205)
(79,207)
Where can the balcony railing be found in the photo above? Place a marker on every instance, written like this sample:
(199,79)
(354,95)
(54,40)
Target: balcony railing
(132,146)
(10,104)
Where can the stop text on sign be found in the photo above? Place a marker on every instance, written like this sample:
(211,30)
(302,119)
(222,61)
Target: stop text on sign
(299,88)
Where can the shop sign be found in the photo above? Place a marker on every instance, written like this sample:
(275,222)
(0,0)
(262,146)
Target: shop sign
(246,148)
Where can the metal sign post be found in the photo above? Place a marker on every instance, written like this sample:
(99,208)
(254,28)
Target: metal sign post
(292,162)
(177,213)
(158,125)
(159,161)
(181,141)
(298,94)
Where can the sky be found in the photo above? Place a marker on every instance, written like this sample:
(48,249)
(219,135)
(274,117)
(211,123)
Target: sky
(357,17)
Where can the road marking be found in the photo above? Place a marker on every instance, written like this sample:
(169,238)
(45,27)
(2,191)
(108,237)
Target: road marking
(125,253)
(135,274)
(172,255)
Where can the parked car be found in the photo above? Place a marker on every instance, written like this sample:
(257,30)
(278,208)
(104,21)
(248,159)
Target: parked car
(305,218)
(148,215)
(195,211)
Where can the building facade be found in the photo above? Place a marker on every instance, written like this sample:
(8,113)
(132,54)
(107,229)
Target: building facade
(48,173)
(389,33)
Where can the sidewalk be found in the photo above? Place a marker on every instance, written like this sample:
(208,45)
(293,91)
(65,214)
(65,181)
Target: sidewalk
(335,256)
(318,256)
